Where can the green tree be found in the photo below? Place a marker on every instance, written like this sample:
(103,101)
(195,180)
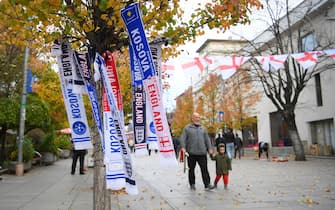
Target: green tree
(9,118)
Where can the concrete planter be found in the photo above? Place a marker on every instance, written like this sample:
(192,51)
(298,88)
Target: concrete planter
(12,166)
(48,158)
(64,153)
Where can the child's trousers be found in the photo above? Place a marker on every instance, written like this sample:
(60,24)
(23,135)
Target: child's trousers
(218,177)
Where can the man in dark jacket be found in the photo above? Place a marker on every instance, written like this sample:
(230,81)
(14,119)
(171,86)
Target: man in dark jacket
(218,140)
(238,146)
(228,138)
(195,141)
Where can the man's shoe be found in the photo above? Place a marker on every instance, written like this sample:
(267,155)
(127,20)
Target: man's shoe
(209,187)
(82,173)
(192,187)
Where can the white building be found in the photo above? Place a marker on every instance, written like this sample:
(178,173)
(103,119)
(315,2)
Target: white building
(313,24)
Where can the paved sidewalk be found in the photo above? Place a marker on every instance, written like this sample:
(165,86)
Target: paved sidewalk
(48,187)
(254,184)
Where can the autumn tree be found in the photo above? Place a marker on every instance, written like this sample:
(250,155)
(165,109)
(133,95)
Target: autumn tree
(98,25)
(210,98)
(183,112)
(48,89)
(239,99)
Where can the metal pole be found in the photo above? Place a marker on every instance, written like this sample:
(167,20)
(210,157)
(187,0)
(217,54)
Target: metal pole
(19,168)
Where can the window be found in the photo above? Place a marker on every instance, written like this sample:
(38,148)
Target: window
(308,42)
(318,90)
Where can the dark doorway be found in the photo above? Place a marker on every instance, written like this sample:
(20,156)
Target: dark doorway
(279,131)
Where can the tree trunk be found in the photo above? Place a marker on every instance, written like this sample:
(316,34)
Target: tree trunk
(99,196)
(3,143)
(298,148)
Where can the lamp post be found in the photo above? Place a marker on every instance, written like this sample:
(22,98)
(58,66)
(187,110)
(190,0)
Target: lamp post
(19,169)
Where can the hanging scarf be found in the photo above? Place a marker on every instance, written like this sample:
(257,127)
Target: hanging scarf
(73,102)
(139,106)
(132,18)
(84,69)
(110,80)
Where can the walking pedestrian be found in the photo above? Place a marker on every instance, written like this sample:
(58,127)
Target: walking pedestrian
(195,141)
(238,146)
(176,144)
(218,140)
(228,138)
(75,155)
(223,165)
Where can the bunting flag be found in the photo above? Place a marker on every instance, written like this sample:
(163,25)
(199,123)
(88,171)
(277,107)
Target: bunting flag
(306,59)
(83,61)
(139,106)
(132,18)
(275,61)
(330,53)
(73,102)
(230,64)
(109,76)
(167,67)
(199,63)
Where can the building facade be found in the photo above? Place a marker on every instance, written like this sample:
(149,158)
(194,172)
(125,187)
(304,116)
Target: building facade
(312,25)
(312,28)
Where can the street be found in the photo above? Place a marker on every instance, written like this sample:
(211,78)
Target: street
(253,184)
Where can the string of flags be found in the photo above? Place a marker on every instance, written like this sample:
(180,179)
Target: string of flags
(228,65)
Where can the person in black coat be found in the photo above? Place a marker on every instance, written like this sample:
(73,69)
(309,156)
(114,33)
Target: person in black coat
(238,146)
(75,155)
(263,147)
(218,140)
(176,144)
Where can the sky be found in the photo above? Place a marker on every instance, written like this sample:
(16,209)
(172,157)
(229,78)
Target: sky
(180,80)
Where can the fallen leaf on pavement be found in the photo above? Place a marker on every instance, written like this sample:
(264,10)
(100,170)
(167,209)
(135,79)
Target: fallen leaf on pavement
(152,197)
(310,201)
